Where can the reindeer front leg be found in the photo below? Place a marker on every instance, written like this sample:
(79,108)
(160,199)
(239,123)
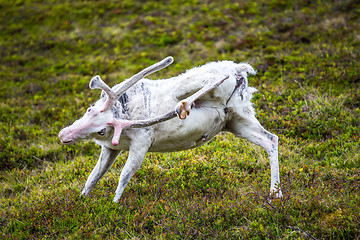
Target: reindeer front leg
(106,160)
(137,152)
(184,106)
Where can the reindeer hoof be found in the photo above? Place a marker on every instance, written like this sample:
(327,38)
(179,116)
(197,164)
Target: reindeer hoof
(116,199)
(182,109)
(276,194)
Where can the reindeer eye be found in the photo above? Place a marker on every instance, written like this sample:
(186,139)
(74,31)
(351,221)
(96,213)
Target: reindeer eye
(89,110)
(102,132)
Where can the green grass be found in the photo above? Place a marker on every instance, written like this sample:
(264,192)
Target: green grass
(308,73)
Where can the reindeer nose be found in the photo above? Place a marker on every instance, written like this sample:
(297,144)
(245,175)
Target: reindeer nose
(61,133)
(62,136)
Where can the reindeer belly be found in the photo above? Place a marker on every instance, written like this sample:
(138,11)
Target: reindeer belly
(198,128)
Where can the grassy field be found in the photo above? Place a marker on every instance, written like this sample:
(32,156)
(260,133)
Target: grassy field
(308,74)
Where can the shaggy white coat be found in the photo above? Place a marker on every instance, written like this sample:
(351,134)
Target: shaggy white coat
(224,108)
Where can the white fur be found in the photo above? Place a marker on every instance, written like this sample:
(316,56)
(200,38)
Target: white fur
(218,110)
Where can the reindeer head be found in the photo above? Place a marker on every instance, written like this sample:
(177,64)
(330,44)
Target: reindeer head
(99,119)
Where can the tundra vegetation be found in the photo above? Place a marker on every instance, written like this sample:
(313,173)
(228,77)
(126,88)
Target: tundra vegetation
(308,75)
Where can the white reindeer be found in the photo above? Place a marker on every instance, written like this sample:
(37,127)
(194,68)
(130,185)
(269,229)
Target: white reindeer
(138,115)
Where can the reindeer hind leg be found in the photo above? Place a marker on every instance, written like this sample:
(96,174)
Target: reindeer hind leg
(250,129)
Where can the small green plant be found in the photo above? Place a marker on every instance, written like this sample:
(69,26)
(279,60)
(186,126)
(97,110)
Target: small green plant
(307,58)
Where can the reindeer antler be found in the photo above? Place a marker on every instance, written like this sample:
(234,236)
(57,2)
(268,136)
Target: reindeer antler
(122,87)
(98,83)
(114,94)
(120,124)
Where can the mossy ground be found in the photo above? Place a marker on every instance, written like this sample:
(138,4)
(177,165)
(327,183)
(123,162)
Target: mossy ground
(308,74)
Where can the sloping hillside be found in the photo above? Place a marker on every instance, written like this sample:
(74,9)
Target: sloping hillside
(308,75)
